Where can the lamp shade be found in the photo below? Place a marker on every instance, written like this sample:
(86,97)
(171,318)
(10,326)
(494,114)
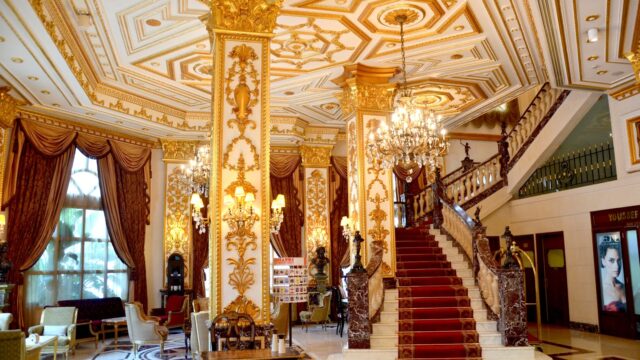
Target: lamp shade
(344,221)
(249,198)
(3,220)
(228,200)
(195,199)
(239,192)
(280,200)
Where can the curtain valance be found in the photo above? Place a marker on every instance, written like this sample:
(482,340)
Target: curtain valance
(283,165)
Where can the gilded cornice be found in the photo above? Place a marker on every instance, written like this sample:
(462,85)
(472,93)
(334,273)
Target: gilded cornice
(366,88)
(626,91)
(634,59)
(86,129)
(249,16)
(178,150)
(8,107)
(315,156)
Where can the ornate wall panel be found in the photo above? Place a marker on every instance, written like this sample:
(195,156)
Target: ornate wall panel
(317,232)
(177,221)
(353,181)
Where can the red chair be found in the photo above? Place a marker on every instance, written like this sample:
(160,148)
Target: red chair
(175,312)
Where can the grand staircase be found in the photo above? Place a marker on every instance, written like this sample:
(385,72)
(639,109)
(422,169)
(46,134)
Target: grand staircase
(437,311)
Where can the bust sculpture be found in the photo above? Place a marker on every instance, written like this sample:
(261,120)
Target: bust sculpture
(319,262)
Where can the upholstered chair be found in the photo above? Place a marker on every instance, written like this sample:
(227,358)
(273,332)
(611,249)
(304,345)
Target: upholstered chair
(61,322)
(5,320)
(143,330)
(317,314)
(12,344)
(175,312)
(201,304)
(280,319)
(200,341)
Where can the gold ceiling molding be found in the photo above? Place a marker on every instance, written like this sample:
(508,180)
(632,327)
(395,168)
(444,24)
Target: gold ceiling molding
(249,16)
(366,88)
(347,6)
(626,92)
(8,107)
(178,150)
(284,149)
(87,129)
(315,156)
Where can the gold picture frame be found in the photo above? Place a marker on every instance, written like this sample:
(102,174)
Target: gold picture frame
(633,134)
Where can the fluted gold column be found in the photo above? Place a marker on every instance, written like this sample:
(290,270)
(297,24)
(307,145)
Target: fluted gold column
(240,32)
(367,100)
(177,208)
(316,160)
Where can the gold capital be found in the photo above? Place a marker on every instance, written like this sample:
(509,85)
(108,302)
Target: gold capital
(178,150)
(634,59)
(366,88)
(252,16)
(8,107)
(315,156)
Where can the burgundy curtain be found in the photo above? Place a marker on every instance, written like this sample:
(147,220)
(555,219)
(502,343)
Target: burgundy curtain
(200,254)
(36,185)
(339,208)
(34,211)
(289,243)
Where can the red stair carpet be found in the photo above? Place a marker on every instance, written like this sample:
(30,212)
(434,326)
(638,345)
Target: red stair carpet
(434,311)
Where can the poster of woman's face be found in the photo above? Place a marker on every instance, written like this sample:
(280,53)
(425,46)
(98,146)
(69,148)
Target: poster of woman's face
(611,272)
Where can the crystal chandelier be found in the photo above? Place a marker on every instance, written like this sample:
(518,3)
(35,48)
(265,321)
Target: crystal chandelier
(412,137)
(196,178)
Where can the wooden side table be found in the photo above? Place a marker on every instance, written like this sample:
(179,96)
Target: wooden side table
(116,323)
(32,347)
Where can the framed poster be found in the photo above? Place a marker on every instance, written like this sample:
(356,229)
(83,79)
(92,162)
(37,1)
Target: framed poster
(611,270)
(633,133)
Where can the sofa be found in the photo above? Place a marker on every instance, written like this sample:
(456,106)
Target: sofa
(91,312)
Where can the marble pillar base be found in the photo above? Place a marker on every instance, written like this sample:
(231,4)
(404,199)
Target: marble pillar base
(359,325)
(513,317)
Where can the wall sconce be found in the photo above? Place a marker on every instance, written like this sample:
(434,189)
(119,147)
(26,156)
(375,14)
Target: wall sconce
(240,213)
(3,227)
(348,228)
(277,213)
(196,206)
(592,35)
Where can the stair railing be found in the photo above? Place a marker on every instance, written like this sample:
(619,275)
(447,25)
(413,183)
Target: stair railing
(502,289)
(376,285)
(470,187)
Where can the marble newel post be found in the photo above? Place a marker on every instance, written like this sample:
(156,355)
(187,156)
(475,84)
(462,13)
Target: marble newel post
(241,32)
(367,101)
(316,160)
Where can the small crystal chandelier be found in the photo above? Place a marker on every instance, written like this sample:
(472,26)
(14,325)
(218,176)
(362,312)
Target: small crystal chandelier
(411,138)
(240,214)
(196,177)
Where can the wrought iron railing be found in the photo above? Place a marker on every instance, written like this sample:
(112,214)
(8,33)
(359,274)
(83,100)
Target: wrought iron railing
(589,166)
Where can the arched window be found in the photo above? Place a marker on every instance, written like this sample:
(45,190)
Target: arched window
(79,261)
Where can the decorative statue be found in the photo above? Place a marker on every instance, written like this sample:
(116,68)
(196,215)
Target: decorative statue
(467,147)
(476,216)
(5,264)
(319,262)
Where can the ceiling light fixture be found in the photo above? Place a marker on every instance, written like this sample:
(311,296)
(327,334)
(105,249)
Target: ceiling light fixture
(592,35)
(411,138)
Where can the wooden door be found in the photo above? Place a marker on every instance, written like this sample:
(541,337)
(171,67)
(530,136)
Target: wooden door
(554,298)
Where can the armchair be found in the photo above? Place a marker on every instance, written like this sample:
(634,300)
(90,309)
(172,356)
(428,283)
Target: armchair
(60,322)
(318,314)
(175,313)
(143,330)
(12,344)
(280,319)
(5,320)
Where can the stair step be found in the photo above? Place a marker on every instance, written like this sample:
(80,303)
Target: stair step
(383,341)
(490,338)
(387,317)
(385,329)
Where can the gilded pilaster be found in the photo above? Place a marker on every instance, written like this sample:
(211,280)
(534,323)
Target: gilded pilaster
(177,209)
(240,32)
(316,160)
(368,99)
(8,114)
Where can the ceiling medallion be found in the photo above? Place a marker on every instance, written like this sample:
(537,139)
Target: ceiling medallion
(412,138)
(410,14)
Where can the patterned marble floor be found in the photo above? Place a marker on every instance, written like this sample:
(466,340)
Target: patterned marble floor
(559,343)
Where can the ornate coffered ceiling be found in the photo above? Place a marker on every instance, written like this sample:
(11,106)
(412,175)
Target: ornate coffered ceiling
(144,66)
(578,63)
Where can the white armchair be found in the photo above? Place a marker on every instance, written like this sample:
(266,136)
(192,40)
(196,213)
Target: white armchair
(58,321)
(5,320)
(200,338)
(143,330)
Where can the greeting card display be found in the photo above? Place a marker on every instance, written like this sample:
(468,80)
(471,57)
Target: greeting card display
(290,279)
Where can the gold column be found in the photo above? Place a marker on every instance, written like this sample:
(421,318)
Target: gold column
(241,32)
(316,160)
(177,208)
(367,100)
(8,115)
